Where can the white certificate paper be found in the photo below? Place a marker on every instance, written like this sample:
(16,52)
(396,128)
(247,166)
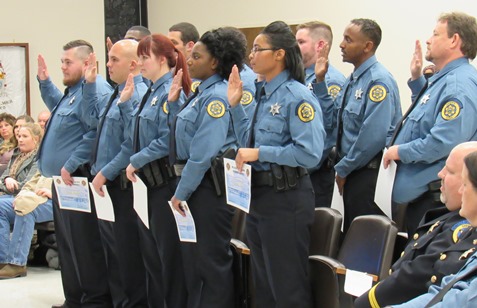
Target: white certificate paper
(384,187)
(337,203)
(238,185)
(140,200)
(185,225)
(356,283)
(74,197)
(103,205)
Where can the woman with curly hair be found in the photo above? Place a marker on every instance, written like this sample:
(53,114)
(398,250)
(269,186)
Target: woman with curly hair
(202,133)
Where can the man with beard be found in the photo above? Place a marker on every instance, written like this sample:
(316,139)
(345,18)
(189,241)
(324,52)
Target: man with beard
(441,116)
(65,151)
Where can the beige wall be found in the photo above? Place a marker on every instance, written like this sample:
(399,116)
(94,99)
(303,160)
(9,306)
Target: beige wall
(402,22)
(47,26)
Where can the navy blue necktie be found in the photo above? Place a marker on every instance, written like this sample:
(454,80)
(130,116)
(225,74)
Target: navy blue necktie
(101,123)
(136,124)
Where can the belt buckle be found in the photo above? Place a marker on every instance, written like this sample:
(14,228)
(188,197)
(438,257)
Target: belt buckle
(178,169)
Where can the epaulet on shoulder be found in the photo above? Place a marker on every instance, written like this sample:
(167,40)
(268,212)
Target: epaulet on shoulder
(296,89)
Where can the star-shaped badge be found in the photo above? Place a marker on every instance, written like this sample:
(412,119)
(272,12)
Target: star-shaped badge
(425,98)
(72,100)
(358,93)
(154,101)
(275,109)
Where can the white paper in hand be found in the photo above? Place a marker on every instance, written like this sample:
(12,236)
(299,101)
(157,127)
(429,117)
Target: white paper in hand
(104,205)
(140,200)
(384,187)
(185,225)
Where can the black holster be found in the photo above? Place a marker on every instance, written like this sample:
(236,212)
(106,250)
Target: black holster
(286,177)
(332,159)
(124,183)
(217,170)
(156,173)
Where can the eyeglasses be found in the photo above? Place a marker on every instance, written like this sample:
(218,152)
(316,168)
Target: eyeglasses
(257,49)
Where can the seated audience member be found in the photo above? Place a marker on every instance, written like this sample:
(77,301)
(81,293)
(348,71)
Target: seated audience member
(43,117)
(23,164)
(438,248)
(8,141)
(21,120)
(33,204)
(459,290)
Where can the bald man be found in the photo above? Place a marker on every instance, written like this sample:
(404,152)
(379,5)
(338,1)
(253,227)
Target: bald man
(120,238)
(43,117)
(440,246)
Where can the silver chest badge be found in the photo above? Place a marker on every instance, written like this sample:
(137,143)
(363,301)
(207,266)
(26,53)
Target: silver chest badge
(358,94)
(275,109)
(425,98)
(154,101)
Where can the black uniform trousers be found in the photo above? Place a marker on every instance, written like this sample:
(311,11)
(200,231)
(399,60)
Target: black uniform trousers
(126,272)
(208,263)
(161,252)
(323,181)
(81,255)
(278,231)
(358,195)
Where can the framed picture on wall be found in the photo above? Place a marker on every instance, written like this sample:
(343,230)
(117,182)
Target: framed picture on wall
(14,79)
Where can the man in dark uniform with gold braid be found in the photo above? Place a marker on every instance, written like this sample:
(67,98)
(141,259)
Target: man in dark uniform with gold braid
(441,245)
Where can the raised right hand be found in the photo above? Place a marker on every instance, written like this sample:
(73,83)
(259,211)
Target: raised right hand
(234,89)
(91,70)
(42,69)
(416,62)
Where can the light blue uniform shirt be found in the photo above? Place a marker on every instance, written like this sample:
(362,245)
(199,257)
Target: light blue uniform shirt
(288,129)
(66,141)
(153,128)
(462,294)
(115,129)
(327,92)
(203,131)
(369,117)
(444,116)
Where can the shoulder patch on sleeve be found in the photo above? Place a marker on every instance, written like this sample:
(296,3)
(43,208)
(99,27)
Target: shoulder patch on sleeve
(216,109)
(451,110)
(165,108)
(247,98)
(378,92)
(333,90)
(194,85)
(305,112)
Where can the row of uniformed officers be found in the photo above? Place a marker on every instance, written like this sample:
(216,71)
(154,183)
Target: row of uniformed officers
(152,126)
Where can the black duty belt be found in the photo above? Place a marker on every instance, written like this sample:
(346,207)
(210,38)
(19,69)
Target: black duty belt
(280,177)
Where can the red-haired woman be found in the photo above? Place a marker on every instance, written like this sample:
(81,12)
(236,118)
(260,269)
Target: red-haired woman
(148,150)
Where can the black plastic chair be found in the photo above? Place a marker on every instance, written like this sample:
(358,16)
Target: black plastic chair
(325,232)
(367,247)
